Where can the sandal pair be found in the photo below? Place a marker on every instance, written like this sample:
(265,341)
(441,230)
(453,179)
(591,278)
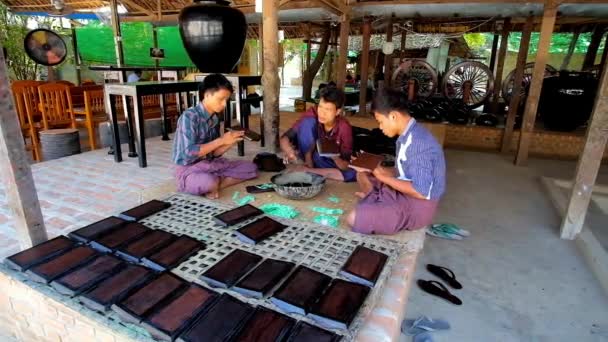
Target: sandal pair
(438,289)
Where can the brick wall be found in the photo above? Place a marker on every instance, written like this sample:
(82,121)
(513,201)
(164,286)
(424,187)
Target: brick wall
(26,314)
(556,145)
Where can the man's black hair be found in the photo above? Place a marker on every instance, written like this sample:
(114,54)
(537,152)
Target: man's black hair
(389,100)
(333,95)
(331,84)
(215,82)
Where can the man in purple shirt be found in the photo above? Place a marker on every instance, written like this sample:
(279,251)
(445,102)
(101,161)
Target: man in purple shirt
(324,122)
(198,147)
(404,197)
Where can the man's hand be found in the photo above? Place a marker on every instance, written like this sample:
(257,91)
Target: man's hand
(289,153)
(232,137)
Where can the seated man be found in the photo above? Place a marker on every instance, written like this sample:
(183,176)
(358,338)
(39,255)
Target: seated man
(324,122)
(197,146)
(407,198)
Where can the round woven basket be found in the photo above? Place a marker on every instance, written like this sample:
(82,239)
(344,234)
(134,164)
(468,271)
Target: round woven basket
(58,143)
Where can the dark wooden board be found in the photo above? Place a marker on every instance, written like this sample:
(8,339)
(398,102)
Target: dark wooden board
(265,326)
(97,229)
(339,304)
(259,230)
(135,307)
(40,253)
(61,264)
(229,270)
(263,278)
(116,287)
(367,161)
(223,321)
(142,211)
(88,275)
(301,290)
(328,148)
(174,253)
(364,265)
(168,322)
(145,245)
(304,332)
(236,215)
(120,236)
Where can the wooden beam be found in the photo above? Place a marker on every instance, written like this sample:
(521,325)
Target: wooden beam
(343,52)
(522,55)
(443,2)
(316,42)
(117,34)
(388,58)
(270,76)
(502,54)
(566,61)
(403,41)
(542,55)
(335,7)
(588,164)
(596,38)
(137,6)
(283,3)
(367,29)
(15,171)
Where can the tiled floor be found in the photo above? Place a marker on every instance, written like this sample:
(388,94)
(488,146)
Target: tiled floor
(83,188)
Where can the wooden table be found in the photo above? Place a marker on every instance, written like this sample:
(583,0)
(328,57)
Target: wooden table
(136,90)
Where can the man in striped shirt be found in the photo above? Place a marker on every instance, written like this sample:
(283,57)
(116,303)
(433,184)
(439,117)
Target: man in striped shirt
(404,197)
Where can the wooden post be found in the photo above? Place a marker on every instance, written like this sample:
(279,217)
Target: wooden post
(502,54)
(270,76)
(522,55)
(571,48)
(343,52)
(494,53)
(542,54)
(76,55)
(16,172)
(604,55)
(117,34)
(155,42)
(261,48)
(367,29)
(387,58)
(588,164)
(596,38)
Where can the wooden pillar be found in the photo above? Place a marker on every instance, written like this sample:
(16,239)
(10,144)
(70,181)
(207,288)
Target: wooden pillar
(343,52)
(120,60)
(519,75)
(367,29)
(604,55)
(571,48)
(387,58)
(261,48)
(596,38)
(502,54)
(155,42)
(403,41)
(494,53)
(15,171)
(542,54)
(270,76)
(588,164)
(76,55)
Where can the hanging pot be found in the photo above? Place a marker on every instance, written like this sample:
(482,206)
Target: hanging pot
(213,34)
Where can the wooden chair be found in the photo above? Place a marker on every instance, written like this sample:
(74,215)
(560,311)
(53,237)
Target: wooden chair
(68,83)
(93,113)
(25,94)
(56,106)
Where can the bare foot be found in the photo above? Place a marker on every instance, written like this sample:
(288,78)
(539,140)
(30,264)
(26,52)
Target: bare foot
(359,194)
(213,195)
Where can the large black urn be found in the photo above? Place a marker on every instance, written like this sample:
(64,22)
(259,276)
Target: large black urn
(213,34)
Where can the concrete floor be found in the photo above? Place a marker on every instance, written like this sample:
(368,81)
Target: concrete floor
(521,282)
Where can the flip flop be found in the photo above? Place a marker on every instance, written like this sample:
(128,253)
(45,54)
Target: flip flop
(441,234)
(412,327)
(438,289)
(423,337)
(444,274)
(451,228)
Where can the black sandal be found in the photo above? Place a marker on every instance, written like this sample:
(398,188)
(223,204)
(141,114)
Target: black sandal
(444,274)
(438,289)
